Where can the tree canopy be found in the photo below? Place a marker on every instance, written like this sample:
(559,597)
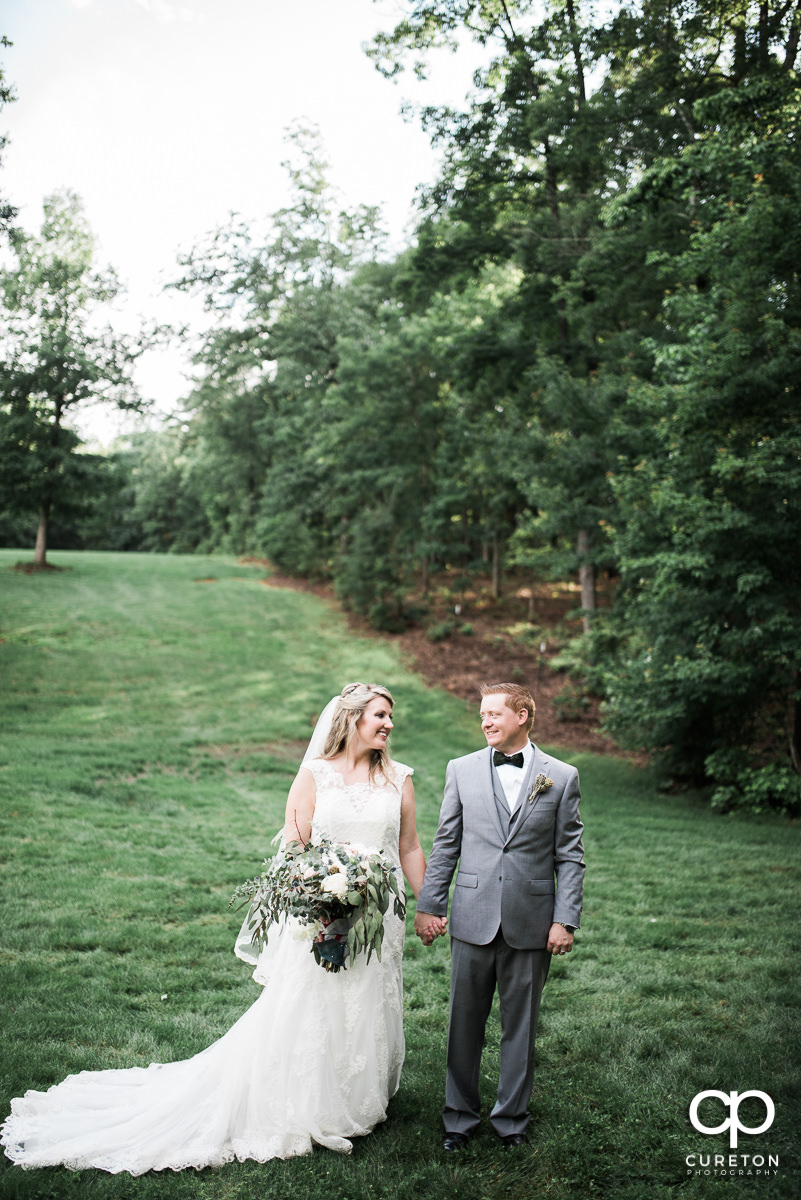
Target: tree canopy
(585,362)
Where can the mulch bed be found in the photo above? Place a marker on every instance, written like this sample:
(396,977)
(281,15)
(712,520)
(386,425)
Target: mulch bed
(30,568)
(461,662)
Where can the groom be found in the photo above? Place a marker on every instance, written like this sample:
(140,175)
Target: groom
(510,817)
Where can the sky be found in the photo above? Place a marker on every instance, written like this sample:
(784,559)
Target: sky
(166,116)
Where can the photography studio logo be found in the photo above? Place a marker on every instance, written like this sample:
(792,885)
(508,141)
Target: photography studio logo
(731,1163)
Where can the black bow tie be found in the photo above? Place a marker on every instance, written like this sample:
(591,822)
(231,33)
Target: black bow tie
(512,760)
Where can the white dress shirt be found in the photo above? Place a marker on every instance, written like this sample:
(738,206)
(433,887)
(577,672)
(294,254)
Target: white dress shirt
(512,777)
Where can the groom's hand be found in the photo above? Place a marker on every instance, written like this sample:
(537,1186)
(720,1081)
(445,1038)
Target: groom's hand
(428,927)
(559,940)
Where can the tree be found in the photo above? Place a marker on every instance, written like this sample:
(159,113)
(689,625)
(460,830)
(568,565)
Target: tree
(657,354)
(281,305)
(708,673)
(528,170)
(54,356)
(7,211)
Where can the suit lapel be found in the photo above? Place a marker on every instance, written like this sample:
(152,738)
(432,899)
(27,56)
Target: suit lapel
(491,787)
(538,763)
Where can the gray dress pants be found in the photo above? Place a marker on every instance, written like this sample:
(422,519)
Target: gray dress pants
(519,976)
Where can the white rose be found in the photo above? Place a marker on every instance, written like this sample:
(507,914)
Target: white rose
(302,932)
(337,885)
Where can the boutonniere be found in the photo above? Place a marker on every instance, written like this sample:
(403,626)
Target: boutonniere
(541,784)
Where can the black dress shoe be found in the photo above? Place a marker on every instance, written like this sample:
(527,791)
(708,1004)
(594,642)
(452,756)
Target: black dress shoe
(455,1141)
(513,1139)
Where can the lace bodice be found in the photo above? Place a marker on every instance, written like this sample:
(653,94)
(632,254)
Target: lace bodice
(363,814)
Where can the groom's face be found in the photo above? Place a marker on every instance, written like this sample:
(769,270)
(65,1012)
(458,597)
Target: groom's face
(503,728)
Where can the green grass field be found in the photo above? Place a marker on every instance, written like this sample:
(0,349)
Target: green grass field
(153,713)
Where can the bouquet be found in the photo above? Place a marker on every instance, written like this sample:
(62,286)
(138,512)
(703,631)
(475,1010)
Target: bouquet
(330,893)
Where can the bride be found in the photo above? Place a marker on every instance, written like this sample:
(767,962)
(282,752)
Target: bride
(317,1057)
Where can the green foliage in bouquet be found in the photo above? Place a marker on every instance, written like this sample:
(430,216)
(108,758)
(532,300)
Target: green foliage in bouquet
(333,894)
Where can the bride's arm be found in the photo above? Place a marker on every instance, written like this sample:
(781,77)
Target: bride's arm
(413,861)
(300,807)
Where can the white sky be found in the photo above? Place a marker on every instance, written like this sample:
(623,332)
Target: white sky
(167,115)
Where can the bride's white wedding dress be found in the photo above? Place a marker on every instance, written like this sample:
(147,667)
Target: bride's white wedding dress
(315,1060)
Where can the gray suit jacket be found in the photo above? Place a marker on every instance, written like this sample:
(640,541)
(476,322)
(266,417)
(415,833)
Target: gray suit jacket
(522,876)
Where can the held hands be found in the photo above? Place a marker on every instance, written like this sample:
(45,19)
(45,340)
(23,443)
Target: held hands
(428,927)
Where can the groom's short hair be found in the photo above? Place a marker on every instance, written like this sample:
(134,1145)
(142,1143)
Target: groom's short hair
(517,698)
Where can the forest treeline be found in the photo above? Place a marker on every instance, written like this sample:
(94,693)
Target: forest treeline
(587,361)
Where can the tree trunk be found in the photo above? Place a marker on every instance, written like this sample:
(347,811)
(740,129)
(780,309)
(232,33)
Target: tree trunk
(496,568)
(576,40)
(586,578)
(556,220)
(740,53)
(40,553)
(791,49)
(424,580)
(794,727)
(764,35)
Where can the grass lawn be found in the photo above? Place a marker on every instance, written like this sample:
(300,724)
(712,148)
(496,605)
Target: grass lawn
(154,709)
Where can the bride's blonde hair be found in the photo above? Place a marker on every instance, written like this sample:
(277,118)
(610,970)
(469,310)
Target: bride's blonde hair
(352,701)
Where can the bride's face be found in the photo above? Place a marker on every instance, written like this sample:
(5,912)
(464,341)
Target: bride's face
(375,724)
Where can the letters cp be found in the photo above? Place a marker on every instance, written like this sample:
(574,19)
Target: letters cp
(732,1100)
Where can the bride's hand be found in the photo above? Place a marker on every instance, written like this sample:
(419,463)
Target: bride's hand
(429,927)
